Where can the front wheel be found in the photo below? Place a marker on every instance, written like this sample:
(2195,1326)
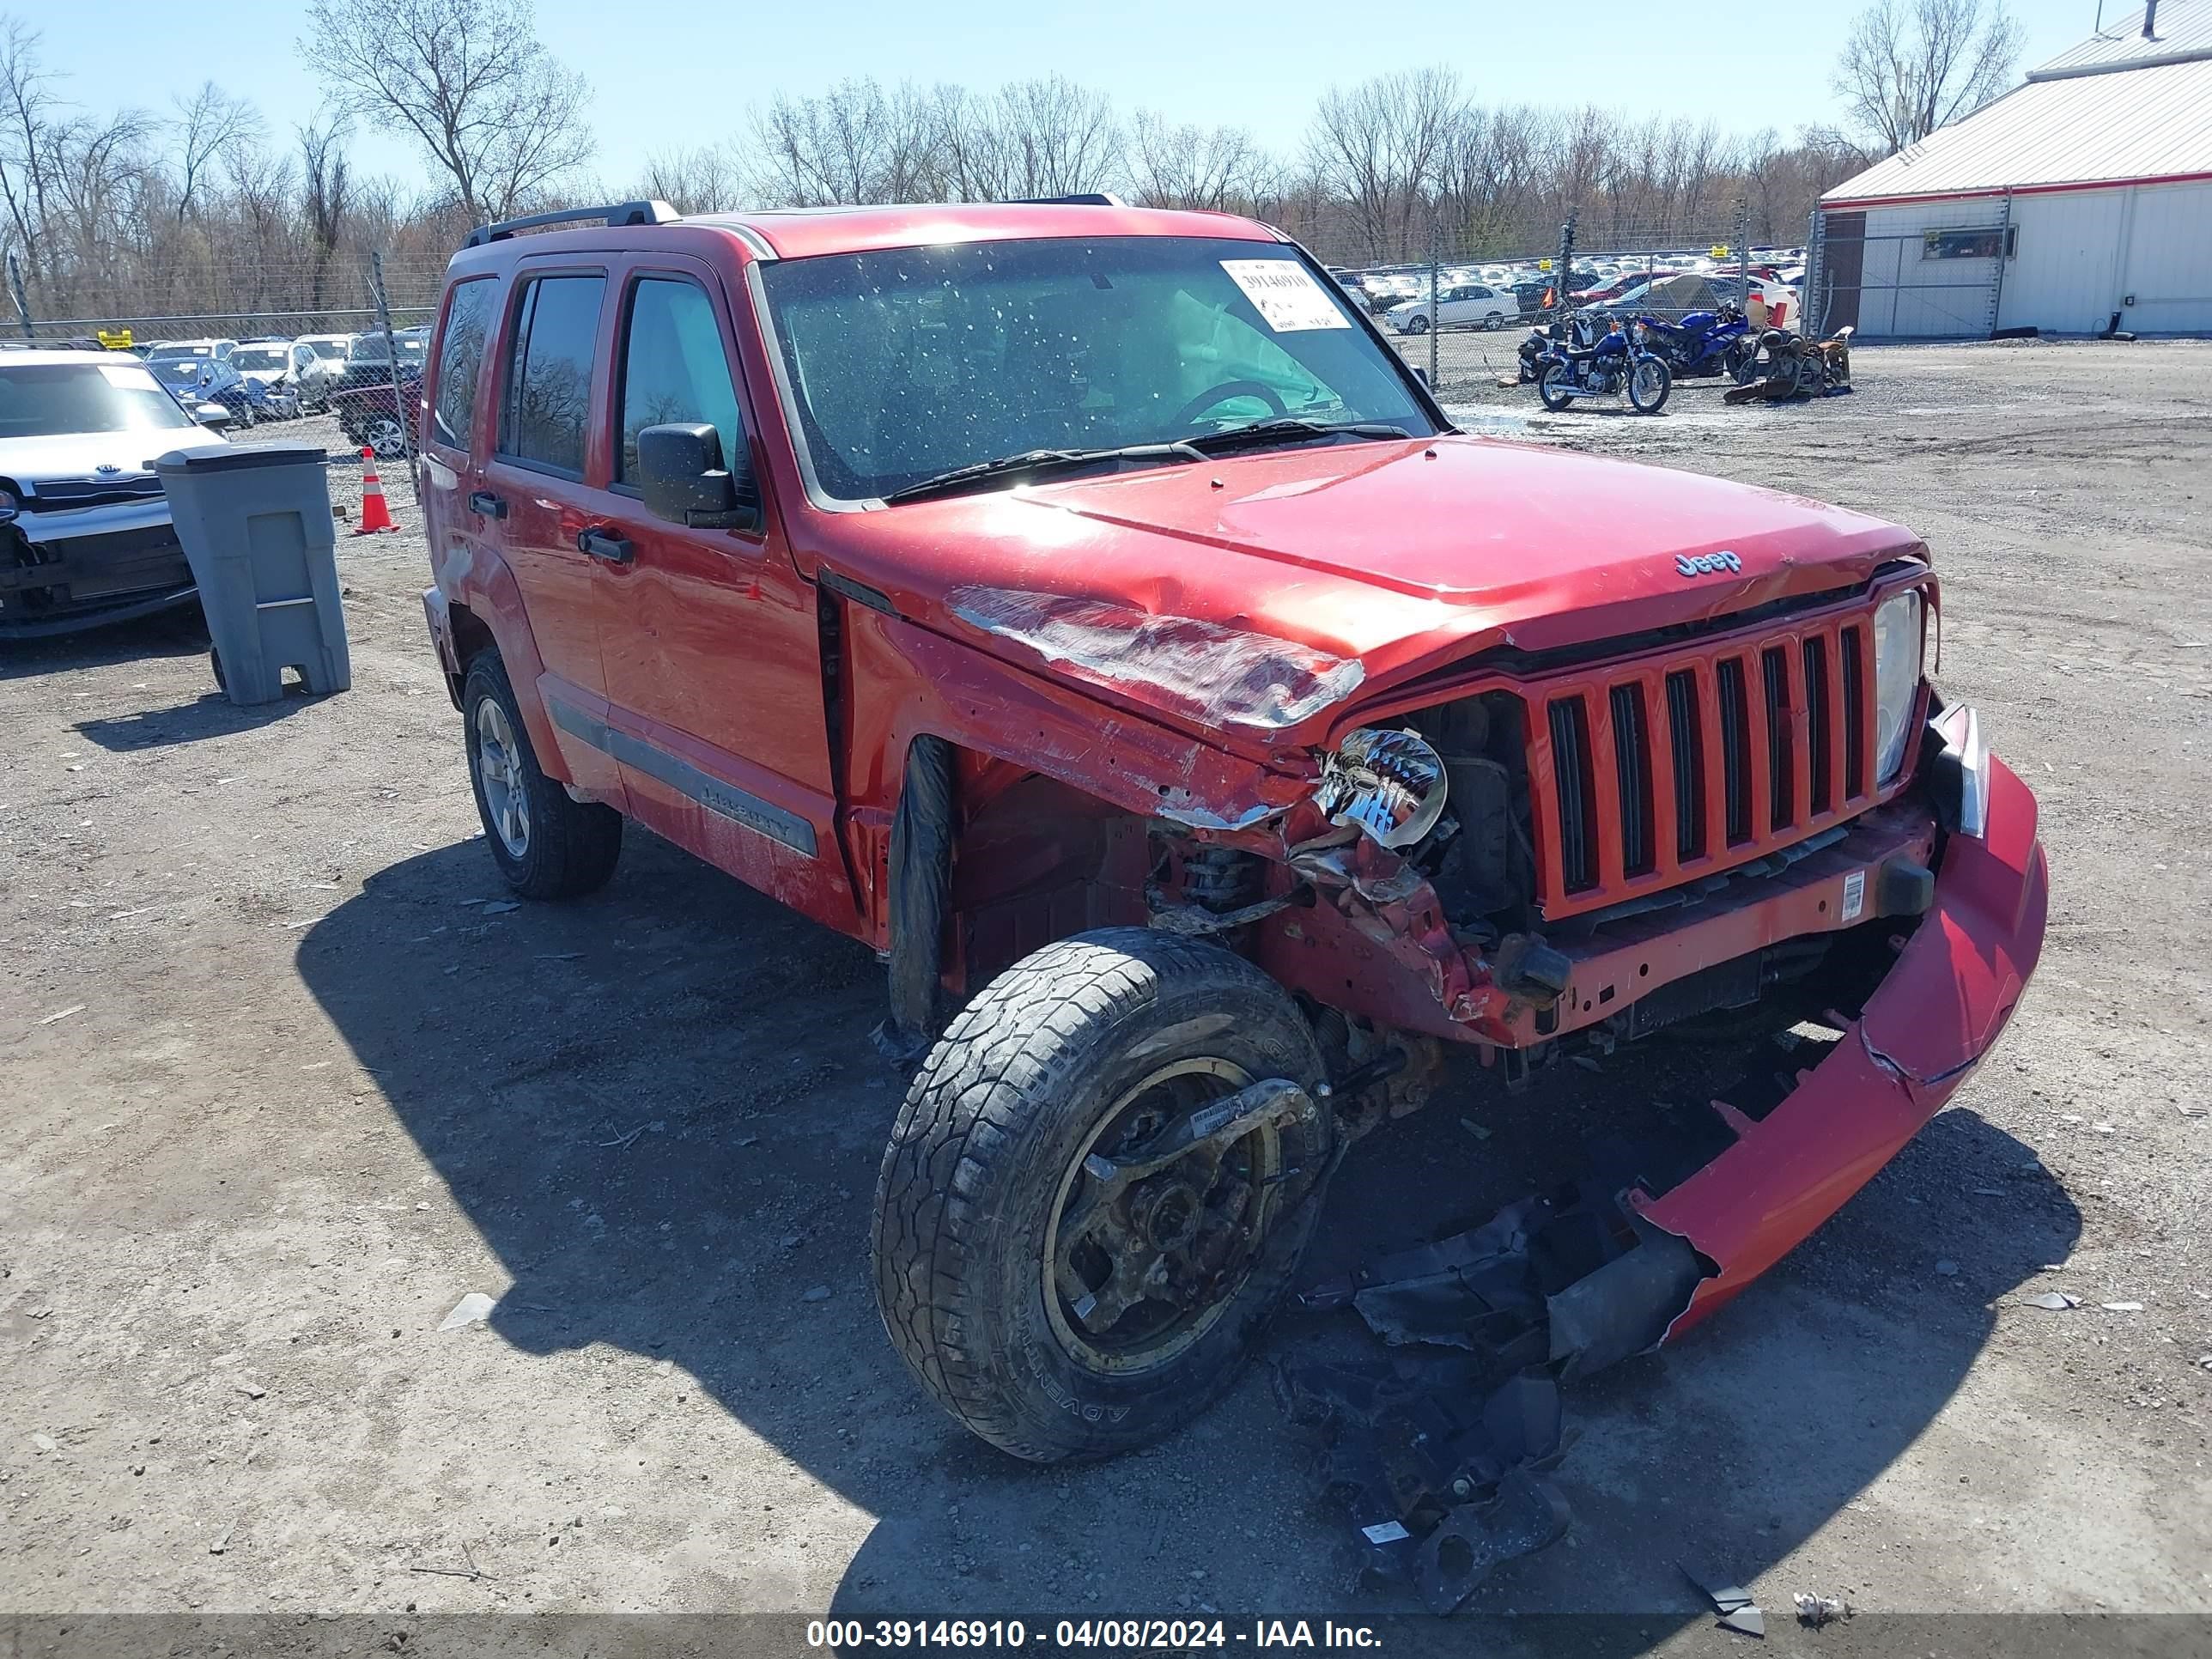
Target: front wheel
(1553,386)
(1648,383)
(1417,324)
(1493,322)
(1743,362)
(546,843)
(1100,1184)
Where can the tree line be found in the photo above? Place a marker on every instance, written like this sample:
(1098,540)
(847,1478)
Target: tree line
(201,207)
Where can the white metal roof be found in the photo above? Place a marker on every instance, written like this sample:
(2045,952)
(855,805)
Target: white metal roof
(2181,30)
(2129,125)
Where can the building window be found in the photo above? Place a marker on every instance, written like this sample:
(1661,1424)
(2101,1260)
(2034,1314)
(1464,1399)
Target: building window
(1980,244)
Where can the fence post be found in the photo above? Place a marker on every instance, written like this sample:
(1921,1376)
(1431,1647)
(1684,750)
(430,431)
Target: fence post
(1814,301)
(1743,253)
(1433,303)
(1563,268)
(391,368)
(15,288)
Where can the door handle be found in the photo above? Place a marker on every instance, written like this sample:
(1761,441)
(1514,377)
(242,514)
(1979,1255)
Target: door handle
(604,544)
(491,505)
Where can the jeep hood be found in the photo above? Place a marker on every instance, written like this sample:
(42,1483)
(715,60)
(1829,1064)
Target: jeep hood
(1392,557)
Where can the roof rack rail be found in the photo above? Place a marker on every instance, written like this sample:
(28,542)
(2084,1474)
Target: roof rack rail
(621,213)
(1080,198)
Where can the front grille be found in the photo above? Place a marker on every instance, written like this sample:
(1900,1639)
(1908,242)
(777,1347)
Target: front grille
(1763,746)
(66,495)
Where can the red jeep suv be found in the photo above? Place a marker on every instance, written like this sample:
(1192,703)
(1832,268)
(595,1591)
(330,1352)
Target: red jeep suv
(1085,607)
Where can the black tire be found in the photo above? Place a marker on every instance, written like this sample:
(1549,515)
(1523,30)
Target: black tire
(1417,324)
(569,847)
(215,661)
(1552,375)
(988,1152)
(1643,373)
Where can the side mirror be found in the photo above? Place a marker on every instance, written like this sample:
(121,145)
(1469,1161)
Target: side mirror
(1422,375)
(214,415)
(681,473)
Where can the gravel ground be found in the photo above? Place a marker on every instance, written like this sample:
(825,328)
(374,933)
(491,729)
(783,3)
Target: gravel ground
(286,1083)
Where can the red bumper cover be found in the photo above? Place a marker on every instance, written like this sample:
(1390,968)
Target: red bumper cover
(1940,1010)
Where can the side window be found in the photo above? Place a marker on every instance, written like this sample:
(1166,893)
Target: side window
(549,377)
(673,368)
(460,360)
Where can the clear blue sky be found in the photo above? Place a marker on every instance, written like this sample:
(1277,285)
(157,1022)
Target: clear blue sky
(659,82)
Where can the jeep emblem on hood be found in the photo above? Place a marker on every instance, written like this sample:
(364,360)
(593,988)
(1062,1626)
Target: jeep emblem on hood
(1705,564)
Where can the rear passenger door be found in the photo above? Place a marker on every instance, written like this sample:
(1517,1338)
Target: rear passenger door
(537,499)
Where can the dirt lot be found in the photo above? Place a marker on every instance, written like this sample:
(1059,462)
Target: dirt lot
(283,1087)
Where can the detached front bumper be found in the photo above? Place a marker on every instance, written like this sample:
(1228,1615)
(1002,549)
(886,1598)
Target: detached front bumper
(1937,1013)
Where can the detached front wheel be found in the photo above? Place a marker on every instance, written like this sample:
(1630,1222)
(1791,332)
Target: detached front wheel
(1099,1186)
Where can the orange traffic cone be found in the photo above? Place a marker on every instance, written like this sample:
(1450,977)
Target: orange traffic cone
(374,515)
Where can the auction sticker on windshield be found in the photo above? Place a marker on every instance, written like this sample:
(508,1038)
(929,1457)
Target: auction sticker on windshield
(129,377)
(1285,295)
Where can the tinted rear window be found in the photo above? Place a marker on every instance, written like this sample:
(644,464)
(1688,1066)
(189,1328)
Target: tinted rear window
(548,378)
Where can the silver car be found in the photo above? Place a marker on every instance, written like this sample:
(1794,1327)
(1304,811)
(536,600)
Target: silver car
(85,532)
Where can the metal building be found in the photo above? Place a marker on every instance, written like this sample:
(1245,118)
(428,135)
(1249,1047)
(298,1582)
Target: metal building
(2077,202)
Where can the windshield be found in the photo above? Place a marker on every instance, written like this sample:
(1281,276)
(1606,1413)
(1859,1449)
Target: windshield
(369,348)
(907,363)
(183,371)
(171,354)
(327,348)
(45,400)
(260,358)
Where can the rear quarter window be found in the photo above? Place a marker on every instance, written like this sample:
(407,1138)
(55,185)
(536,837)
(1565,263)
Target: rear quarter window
(460,360)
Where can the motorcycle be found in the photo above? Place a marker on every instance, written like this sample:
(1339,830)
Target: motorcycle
(1617,363)
(1702,342)
(1579,329)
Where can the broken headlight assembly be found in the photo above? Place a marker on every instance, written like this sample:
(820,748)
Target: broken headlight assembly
(1391,785)
(1897,647)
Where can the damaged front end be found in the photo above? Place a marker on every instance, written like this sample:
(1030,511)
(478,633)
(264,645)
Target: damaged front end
(78,552)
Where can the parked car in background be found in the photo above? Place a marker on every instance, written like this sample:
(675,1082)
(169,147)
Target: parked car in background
(85,532)
(277,366)
(368,359)
(1467,305)
(189,375)
(324,376)
(369,416)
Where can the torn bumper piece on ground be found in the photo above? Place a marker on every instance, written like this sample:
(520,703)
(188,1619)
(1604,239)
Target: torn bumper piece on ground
(1440,1462)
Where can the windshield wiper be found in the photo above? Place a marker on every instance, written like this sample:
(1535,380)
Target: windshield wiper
(1038,461)
(1290,429)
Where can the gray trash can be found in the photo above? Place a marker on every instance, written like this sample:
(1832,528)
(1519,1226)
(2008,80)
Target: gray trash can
(256,528)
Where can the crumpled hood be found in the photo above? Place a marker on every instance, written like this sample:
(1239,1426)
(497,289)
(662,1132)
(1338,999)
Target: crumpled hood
(1398,557)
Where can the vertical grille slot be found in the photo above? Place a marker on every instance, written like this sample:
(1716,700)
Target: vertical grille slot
(1735,749)
(1631,763)
(1570,723)
(1688,744)
(1855,766)
(1778,755)
(1817,738)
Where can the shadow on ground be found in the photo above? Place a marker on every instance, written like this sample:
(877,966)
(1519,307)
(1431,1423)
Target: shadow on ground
(660,1109)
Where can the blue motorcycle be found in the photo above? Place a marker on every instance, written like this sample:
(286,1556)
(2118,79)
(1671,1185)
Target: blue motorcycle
(1702,342)
(1617,363)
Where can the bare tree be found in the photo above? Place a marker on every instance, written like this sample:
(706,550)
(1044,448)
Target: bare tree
(326,182)
(1377,144)
(1195,166)
(698,179)
(208,126)
(469,81)
(1911,66)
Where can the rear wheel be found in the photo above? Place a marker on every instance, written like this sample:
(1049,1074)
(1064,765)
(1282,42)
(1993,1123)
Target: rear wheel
(1552,386)
(547,844)
(1494,321)
(387,438)
(1099,1186)
(1418,322)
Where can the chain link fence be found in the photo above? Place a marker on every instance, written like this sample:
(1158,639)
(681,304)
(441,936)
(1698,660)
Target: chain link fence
(341,334)
(1473,284)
